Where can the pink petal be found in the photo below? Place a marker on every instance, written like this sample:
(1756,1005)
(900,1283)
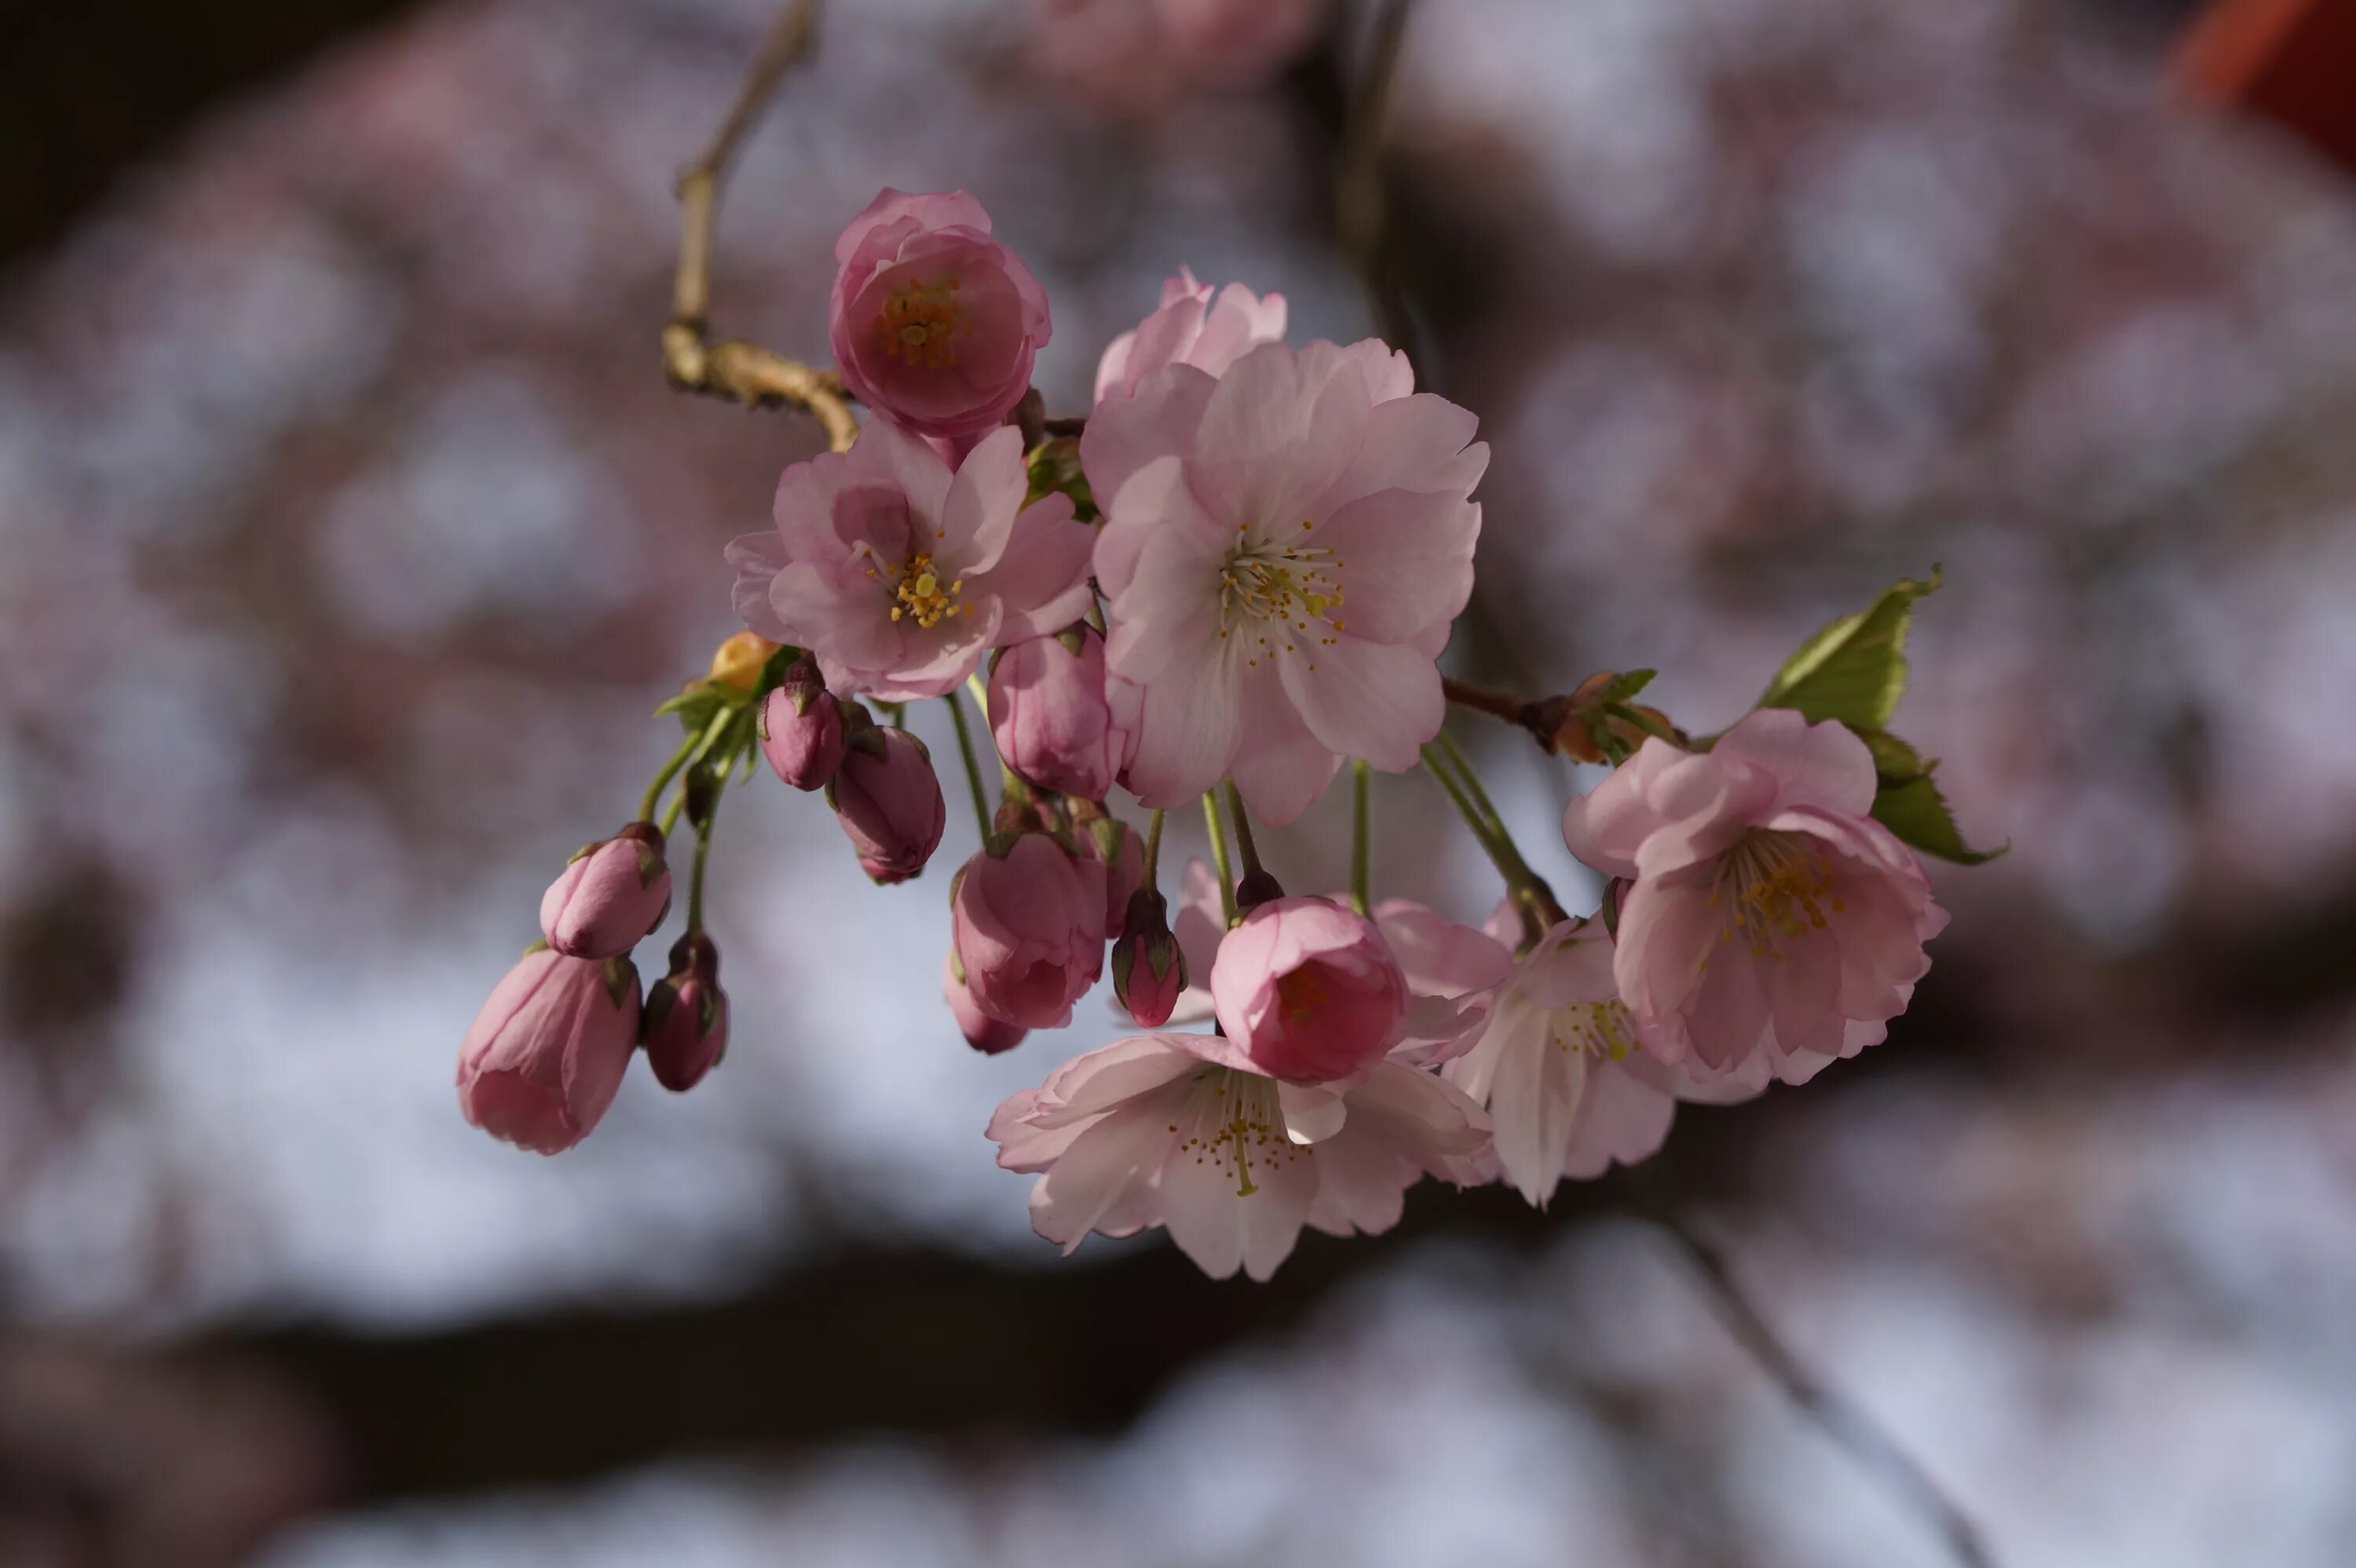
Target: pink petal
(1367,699)
(1410,559)
(1822,765)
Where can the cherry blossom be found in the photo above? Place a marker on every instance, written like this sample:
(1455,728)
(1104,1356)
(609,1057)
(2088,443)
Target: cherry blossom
(545,1056)
(1285,549)
(1194,324)
(1771,925)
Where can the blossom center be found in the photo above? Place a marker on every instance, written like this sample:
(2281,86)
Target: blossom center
(921,323)
(1777,887)
(1291,589)
(1238,1127)
(1301,994)
(918,592)
(1592,1029)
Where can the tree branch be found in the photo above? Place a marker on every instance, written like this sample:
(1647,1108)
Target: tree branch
(742,372)
(1864,1439)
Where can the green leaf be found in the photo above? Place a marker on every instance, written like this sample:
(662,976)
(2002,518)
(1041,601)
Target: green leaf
(773,669)
(1625,685)
(697,706)
(1854,669)
(1918,814)
(1894,760)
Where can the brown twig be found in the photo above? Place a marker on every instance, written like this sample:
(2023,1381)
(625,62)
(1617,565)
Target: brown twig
(1864,1439)
(1360,206)
(742,372)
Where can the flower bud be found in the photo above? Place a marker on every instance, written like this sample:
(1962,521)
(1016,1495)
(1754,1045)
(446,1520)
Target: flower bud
(1308,990)
(1049,715)
(687,1015)
(545,1056)
(609,895)
(889,802)
(1148,970)
(1029,926)
(985,1034)
(801,727)
(736,661)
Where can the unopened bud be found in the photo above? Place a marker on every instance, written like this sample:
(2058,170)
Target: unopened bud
(889,802)
(687,1015)
(985,1034)
(1148,970)
(609,894)
(801,727)
(736,663)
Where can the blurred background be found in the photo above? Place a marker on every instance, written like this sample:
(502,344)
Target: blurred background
(348,532)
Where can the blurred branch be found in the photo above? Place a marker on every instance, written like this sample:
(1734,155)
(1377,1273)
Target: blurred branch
(742,372)
(1865,1440)
(1360,201)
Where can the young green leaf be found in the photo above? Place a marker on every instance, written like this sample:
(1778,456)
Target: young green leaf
(1919,815)
(1854,669)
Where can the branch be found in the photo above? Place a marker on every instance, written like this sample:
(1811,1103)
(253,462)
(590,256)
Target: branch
(1865,1440)
(742,372)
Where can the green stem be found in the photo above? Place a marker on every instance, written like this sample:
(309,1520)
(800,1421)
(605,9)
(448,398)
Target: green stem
(693,752)
(1463,765)
(1011,784)
(1219,858)
(1360,848)
(686,749)
(1528,890)
(695,879)
(973,768)
(1153,847)
(1244,844)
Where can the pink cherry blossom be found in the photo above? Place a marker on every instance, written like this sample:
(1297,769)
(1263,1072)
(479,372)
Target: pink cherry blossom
(1029,928)
(1555,1060)
(544,1057)
(1308,990)
(1196,324)
(934,322)
(687,1015)
(608,896)
(1149,969)
(1050,717)
(1181,1130)
(888,800)
(1771,924)
(898,575)
(1286,547)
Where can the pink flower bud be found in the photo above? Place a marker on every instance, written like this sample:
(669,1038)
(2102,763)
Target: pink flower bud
(609,895)
(889,802)
(1049,715)
(544,1057)
(985,1034)
(1148,970)
(934,322)
(1028,924)
(801,727)
(1110,843)
(1308,990)
(687,1015)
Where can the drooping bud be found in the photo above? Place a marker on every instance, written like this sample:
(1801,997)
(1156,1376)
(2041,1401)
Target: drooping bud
(1029,926)
(801,727)
(1049,715)
(889,802)
(544,1057)
(1148,970)
(1308,990)
(985,1034)
(609,894)
(687,1015)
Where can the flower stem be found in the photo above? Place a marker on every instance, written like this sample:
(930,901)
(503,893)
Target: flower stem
(1360,850)
(1528,891)
(669,770)
(1153,847)
(695,879)
(1472,780)
(973,768)
(1244,844)
(1011,784)
(1219,858)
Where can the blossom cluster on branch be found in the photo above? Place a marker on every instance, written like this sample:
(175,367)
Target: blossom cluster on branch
(1240,575)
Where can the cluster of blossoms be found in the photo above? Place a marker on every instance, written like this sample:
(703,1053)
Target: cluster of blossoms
(1238,574)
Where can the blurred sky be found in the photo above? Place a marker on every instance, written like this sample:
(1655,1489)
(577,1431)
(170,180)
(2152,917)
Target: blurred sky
(348,534)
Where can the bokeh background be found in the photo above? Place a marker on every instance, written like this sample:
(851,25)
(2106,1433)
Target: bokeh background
(348,532)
